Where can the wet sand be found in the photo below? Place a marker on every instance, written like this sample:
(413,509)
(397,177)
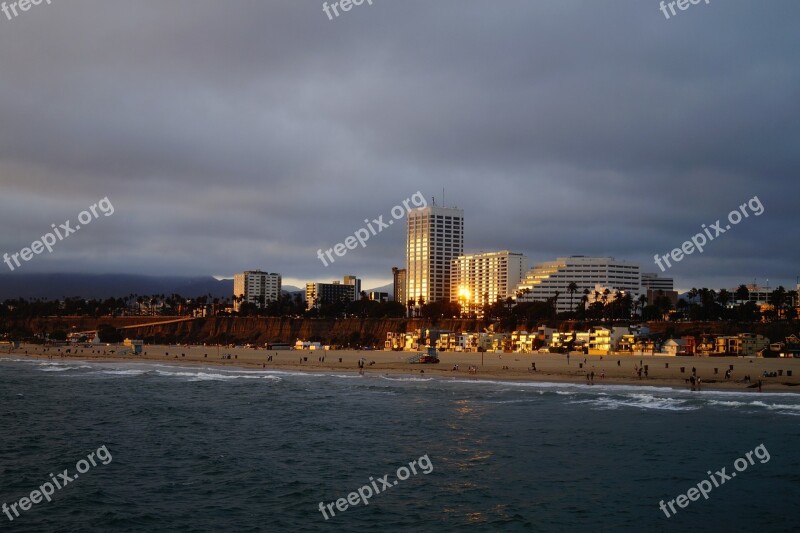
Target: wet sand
(663,371)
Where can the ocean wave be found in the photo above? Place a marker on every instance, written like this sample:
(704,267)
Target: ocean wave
(756,403)
(387,378)
(126,372)
(639,401)
(213,376)
(776,406)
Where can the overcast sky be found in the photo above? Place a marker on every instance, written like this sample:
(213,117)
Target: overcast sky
(248,134)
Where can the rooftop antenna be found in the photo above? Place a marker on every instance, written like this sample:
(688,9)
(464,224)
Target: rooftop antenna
(444,204)
(434,200)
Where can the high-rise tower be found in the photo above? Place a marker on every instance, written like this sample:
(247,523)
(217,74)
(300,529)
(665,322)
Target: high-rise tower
(435,237)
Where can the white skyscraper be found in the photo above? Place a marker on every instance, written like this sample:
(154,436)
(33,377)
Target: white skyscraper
(435,237)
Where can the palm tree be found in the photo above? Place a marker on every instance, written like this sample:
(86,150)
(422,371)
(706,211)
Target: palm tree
(742,294)
(792,296)
(585,301)
(778,298)
(724,297)
(606,292)
(572,288)
(410,304)
(641,303)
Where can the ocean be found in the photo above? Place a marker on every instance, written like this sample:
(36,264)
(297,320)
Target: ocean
(198,448)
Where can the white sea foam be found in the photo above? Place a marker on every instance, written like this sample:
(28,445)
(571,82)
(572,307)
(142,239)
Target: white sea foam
(60,368)
(213,376)
(640,401)
(125,372)
(387,378)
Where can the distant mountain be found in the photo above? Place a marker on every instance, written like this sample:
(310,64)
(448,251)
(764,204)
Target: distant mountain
(58,286)
(292,289)
(386,288)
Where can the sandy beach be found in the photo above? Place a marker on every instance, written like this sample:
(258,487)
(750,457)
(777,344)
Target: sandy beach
(611,369)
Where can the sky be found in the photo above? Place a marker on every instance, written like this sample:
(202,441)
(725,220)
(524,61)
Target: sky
(242,135)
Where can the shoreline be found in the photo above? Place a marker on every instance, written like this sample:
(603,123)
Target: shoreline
(663,371)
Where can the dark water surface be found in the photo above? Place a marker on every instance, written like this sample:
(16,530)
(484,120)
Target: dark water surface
(210,449)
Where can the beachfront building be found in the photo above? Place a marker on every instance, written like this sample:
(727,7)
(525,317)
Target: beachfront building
(674,347)
(379,296)
(256,287)
(562,341)
(743,344)
(480,279)
(435,236)
(318,294)
(399,293)
(546,279)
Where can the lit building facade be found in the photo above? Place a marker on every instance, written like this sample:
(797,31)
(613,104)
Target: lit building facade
(545,279)
(435,236)
(256,287)
(482,278)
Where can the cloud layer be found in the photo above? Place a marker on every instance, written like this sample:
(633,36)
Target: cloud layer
(243,135)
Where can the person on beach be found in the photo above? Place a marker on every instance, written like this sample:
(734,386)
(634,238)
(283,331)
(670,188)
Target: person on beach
(567,358)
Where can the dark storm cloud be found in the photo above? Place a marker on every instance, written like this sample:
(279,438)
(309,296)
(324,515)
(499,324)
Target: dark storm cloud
(249,134)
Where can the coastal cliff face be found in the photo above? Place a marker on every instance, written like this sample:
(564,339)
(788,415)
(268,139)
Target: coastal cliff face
(329,331)
(262,330)
(239,329)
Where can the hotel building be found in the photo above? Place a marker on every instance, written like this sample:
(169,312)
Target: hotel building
(482,278)
(256,287)
(654,287)
(593,273)
(435,237)
(318,294)
(399,275)
(655,283)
